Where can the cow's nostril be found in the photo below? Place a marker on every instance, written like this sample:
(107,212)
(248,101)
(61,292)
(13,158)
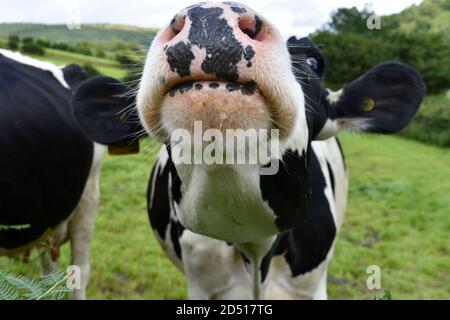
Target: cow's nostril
(176,26)
(251,26)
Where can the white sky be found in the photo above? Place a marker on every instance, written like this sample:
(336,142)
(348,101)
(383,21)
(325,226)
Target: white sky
(291,16)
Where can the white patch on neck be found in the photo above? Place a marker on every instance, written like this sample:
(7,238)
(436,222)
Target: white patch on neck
(225,203)
(43,65)
(322,150)
(334,96)
(330,129)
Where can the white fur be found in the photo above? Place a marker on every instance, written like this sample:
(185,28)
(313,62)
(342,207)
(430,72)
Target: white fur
(81,223)
(334,96)
(43,65)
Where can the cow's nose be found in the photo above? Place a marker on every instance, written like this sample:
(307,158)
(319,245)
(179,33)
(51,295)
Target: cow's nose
(213,40)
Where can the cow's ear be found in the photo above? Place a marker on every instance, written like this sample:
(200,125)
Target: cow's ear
(74,75)
(105,110)
(384,100)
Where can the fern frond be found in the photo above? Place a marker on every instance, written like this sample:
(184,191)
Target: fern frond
(26,288)
(7,292)
(18,287)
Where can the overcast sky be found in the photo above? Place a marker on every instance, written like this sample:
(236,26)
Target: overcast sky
(291,16)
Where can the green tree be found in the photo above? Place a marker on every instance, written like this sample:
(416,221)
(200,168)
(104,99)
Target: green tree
(13,42)
(27,40)
(90,70)
(350,20)
(33,48)
(350,54)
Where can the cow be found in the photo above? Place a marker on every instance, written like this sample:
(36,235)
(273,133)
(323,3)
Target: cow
(49,185)
(236,231)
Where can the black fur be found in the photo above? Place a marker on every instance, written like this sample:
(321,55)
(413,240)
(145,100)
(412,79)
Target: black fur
(104,110)
(287,192)
(45,158)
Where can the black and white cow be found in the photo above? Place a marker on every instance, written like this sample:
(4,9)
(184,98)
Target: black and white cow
(236,233)
(49,168)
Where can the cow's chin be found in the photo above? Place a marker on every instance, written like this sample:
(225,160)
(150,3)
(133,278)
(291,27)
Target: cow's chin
(214,105)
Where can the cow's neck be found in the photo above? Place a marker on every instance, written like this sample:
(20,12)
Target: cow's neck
(224,203)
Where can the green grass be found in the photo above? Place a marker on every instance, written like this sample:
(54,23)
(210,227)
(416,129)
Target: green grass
(105,66)
(398,218)
(80,58)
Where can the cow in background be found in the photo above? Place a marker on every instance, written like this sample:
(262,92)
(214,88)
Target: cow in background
(49,180)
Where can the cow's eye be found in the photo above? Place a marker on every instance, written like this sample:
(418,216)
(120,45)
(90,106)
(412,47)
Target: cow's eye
(312,63)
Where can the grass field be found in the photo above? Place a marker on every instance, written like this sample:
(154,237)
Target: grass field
(105,66)
(398,218)
(100,33)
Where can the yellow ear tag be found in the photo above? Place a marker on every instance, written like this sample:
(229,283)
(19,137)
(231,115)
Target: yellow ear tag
(368,104)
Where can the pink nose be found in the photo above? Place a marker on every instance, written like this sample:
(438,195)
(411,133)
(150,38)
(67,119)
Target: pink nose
(213,39)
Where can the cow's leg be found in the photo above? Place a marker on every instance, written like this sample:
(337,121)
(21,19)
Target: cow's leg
(49,253)
(214,270)
(81,224)
(48,265)
(283,286)
(321,292)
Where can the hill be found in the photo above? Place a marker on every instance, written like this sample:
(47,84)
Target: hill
(102,33)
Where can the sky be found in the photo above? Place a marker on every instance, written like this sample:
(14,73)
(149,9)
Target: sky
(298,17)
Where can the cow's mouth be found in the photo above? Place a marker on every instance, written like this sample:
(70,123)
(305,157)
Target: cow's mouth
(218,105)
(248,88)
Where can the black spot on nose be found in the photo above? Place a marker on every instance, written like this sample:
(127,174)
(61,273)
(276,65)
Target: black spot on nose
(214,85)
(198,86)
(223,51)
(249,53)
(236,7)
(249,88)
(179,57)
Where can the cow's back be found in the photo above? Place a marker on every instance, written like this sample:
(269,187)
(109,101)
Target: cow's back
(44,160)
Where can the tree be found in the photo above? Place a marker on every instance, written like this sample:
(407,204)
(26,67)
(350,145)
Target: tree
(350,20)
(43,43)
(13,42)
(33,48)
(90,70)
(27,40)
(350,54)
